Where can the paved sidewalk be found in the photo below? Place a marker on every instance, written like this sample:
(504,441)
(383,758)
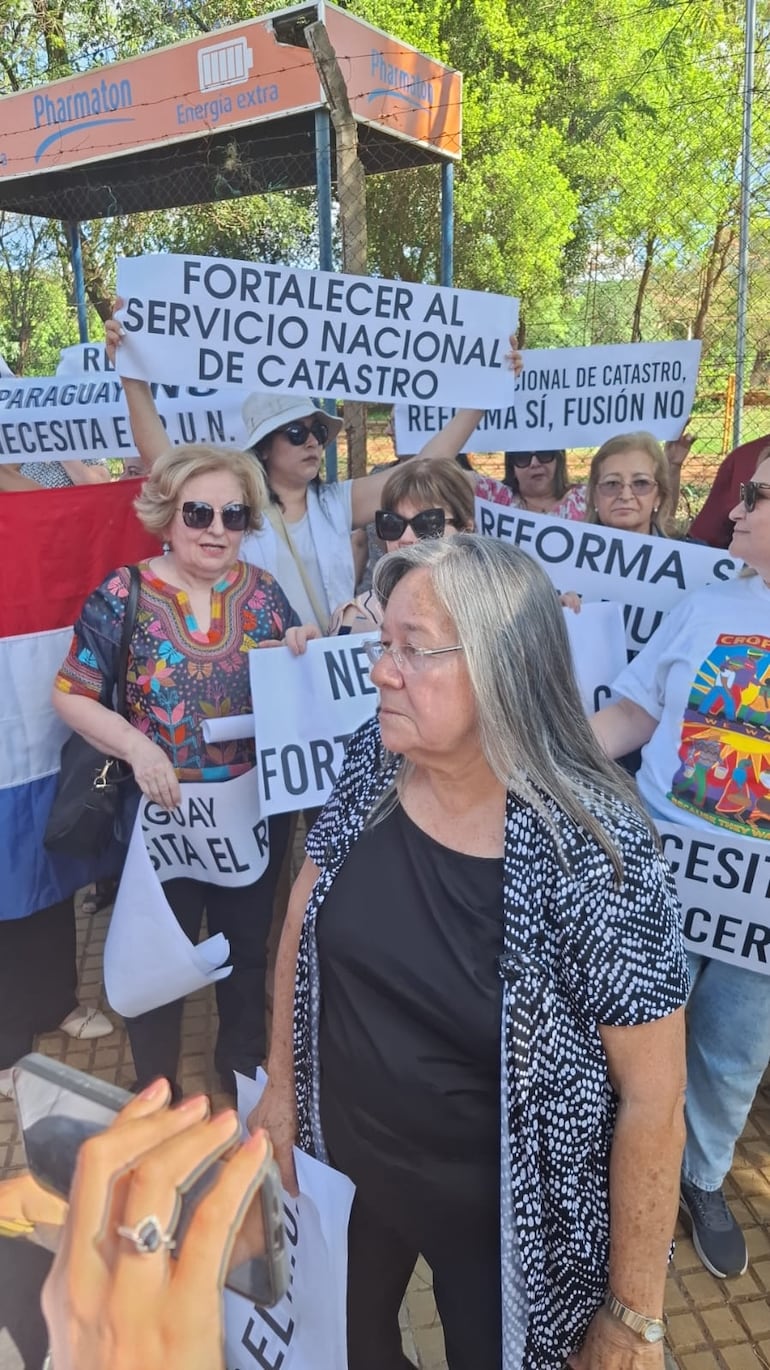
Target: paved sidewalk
(713,1324)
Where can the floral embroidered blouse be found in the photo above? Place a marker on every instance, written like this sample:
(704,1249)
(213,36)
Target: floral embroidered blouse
(178,676)
(571,506)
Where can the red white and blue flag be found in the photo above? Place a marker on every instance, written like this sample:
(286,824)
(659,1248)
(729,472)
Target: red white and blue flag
(56,546)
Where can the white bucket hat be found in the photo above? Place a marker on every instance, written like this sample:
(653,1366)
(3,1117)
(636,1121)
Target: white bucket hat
(263,414)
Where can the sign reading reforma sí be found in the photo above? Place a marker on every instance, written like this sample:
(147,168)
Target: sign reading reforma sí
(276,329)
(575,397)
(44,418)
(326,694)
(647,575)
(723,883)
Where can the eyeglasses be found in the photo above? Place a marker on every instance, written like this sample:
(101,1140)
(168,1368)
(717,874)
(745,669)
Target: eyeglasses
(522,459)
(639,485)
(406,659)
(197,514)
(429,523)
(298,433)
(751,492)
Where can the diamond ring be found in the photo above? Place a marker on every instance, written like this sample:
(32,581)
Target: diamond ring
(148,1236)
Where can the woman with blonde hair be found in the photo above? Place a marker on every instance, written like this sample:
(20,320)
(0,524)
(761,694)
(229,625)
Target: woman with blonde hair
(629,485)
(200,610)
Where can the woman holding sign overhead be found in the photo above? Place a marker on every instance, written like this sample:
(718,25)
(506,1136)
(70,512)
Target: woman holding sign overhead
(305,537)
(201,610)
(697,699)
(479,990)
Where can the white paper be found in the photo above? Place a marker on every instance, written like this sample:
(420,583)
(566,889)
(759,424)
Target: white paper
(597,642)
(231,728)
(574,397)
(306,1330)
(148,960)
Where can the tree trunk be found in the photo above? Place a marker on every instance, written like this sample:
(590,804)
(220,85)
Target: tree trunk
(724,237)
(351,192)
(636,325)
(50,17)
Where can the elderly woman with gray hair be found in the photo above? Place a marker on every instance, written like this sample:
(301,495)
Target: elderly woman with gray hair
(478,1005)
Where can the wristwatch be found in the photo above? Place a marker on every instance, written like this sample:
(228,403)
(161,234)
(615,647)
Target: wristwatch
(650,1330)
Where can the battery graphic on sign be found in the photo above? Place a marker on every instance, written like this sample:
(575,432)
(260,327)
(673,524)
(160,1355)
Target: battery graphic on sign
(224,64)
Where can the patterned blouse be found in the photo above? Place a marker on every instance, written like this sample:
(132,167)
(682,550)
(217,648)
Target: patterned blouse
(578,952)
(177,675)
(571,506)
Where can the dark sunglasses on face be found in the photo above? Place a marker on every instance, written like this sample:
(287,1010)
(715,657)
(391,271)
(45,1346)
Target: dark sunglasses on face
(522,459)
(429,523)
(752,491)
(197,514)
(297,433)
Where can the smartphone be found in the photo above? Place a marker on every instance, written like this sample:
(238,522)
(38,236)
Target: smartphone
(59,1108)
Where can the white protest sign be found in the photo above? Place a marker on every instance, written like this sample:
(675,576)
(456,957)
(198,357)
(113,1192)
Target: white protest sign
(83,358)
(307,1328)
(325,695)
(274,328)
(575,397)
(148,960)
(647,575)
(723,882)
(598,644)
(215,833)
(75,416)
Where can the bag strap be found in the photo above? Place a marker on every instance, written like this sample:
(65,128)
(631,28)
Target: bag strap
(278,522)
(127,632)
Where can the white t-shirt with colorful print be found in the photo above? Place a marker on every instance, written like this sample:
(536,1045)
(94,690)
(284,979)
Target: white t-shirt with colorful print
(706,676)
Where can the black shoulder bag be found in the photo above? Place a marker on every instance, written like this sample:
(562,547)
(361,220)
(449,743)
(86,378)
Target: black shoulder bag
(88,791)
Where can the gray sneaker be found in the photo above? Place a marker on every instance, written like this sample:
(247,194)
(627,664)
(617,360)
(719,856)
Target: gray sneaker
(716,1235)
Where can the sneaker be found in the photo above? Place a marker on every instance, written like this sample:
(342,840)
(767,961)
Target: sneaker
(6,1084)
(86,1022)
(716,1235)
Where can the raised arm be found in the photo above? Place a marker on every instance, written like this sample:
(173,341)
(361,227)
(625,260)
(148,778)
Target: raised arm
(81,473)
(277,1109)
(676,454)
(367,490)
(146,427)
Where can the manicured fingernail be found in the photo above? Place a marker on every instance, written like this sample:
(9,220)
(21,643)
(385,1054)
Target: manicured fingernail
(155,1090)
(195,1104)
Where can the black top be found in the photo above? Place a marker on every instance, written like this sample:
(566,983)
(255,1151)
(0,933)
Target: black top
(408,942)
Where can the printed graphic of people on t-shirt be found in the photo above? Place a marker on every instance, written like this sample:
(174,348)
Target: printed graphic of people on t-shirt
(724,775)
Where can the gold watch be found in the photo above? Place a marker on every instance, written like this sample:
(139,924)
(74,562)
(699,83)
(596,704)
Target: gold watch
(651,1330)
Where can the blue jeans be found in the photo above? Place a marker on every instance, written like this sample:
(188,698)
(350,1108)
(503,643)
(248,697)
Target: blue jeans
(728,1048)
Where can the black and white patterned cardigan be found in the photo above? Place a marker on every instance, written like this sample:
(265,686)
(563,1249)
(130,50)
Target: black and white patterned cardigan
(577,952)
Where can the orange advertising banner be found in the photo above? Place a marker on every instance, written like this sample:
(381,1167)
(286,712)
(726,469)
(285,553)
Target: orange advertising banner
(232,77)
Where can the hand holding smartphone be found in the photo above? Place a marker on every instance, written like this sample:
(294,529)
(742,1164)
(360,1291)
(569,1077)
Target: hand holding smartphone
(60,1107)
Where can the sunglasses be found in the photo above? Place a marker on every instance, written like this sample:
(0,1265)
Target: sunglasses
(752,491)
(522,459)
(429,523)
(613,486)
(297,433)
(197,514)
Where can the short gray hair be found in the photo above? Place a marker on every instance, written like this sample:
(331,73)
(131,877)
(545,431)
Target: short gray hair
(509,621)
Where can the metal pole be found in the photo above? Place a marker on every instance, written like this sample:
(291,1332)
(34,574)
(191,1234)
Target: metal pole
(447,222)
(323,179)
(76,257)
(743,249)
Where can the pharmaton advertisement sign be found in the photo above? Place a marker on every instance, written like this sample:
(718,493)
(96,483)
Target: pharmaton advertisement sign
(192,320)
(575,397)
